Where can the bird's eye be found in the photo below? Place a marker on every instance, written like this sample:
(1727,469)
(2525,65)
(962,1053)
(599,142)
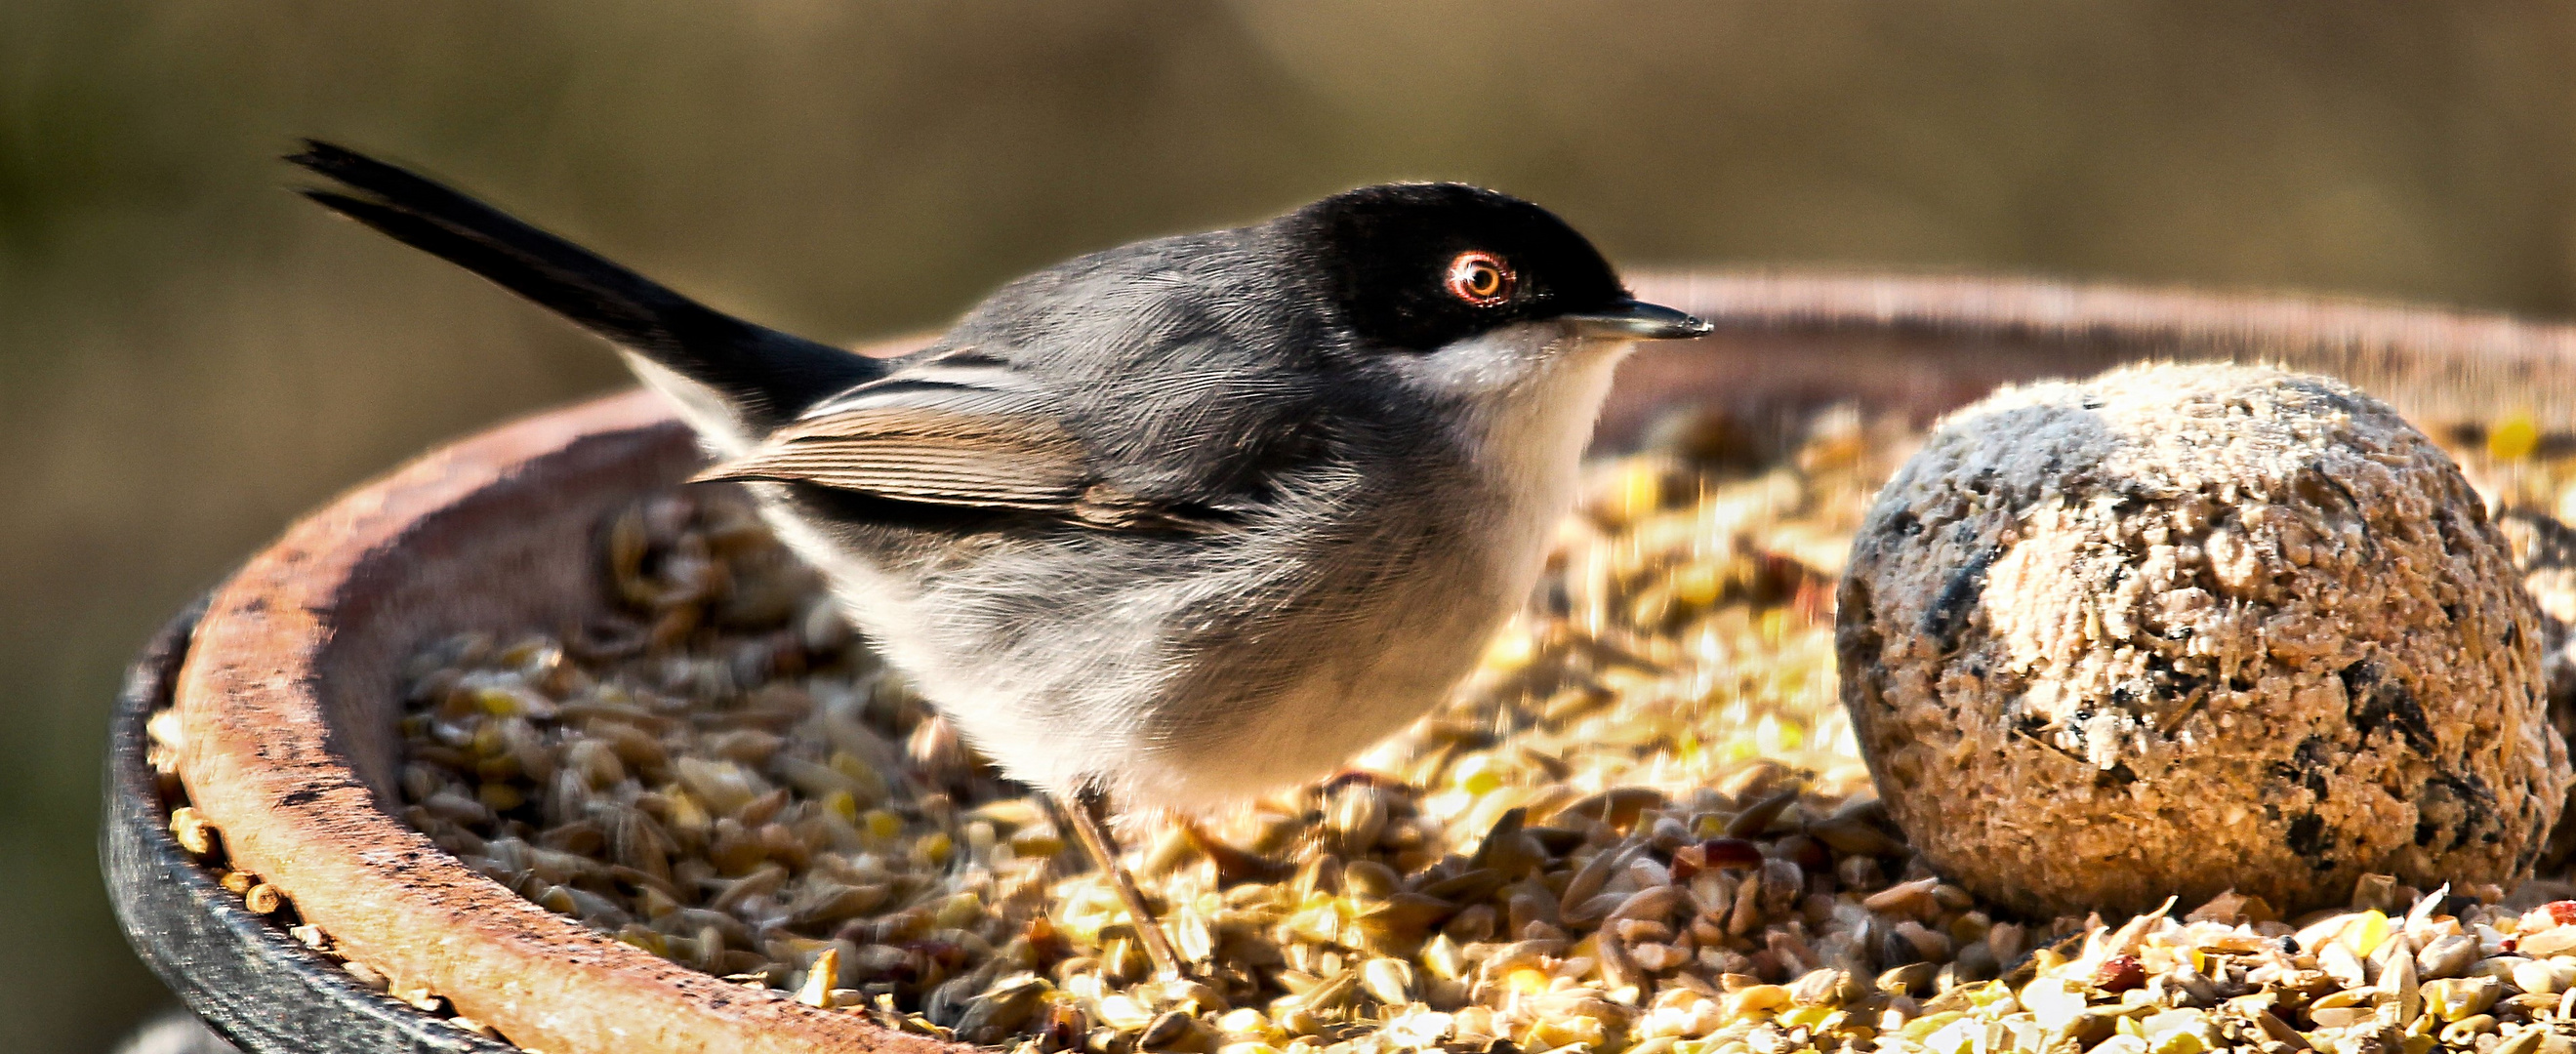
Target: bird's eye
(1480,278)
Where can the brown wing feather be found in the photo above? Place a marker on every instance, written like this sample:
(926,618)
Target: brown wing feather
(938,457)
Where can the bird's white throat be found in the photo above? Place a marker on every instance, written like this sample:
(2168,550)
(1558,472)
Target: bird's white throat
(1531,394)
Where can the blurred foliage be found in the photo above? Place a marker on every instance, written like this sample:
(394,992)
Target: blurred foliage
(189,357)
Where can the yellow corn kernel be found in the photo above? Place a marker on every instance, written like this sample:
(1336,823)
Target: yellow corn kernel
(882,824)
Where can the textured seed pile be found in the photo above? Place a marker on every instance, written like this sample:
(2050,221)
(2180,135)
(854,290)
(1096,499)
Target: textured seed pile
(1640,827)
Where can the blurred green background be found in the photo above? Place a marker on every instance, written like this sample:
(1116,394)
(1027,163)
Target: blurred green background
(189,357)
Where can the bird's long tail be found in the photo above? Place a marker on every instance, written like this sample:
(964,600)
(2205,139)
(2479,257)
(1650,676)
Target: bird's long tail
(749,377)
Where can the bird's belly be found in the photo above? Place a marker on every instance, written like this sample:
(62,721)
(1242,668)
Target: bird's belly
(1152,678)
(1301,696)
(1201,720)
(1339,690)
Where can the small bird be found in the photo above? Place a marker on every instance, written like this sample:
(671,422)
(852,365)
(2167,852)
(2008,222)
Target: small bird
(1173,524)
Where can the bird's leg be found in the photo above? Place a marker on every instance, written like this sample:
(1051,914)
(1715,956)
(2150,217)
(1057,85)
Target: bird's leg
(1084,813)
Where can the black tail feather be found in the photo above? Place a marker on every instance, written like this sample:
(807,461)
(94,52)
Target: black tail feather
(765,376)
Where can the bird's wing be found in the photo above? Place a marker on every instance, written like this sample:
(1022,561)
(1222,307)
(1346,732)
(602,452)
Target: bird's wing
(959,434)
(920,454)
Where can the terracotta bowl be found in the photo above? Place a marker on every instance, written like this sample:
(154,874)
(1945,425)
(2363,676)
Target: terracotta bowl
(285,688)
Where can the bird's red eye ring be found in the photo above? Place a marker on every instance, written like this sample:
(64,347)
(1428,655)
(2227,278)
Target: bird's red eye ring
(1480,278)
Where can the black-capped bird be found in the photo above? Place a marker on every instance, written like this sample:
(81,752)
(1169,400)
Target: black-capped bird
(1176,523)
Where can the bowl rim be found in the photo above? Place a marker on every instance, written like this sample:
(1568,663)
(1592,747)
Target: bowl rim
(2030,306)
(259,760)
(239,972)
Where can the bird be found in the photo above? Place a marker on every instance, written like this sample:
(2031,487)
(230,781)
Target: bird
(1173,524)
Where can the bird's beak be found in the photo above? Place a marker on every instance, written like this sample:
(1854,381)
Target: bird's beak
(1638,320)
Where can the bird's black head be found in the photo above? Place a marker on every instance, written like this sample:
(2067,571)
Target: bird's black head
(1419,265)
